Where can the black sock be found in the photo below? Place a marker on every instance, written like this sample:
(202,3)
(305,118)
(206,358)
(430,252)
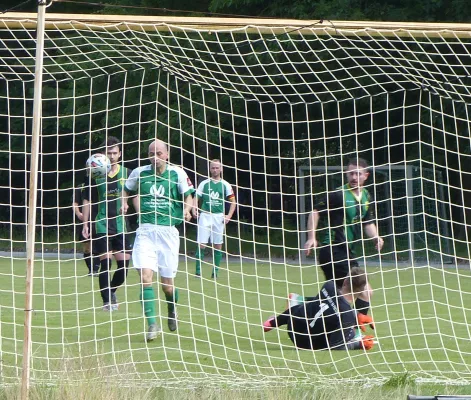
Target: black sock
(282,319)
(96,263)
(120,274)
(104,279)
(88,261)
(362,306)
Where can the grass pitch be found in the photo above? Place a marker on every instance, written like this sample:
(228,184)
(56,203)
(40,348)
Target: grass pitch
(421,314)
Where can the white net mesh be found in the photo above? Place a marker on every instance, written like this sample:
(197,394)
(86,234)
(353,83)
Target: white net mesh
(283,109)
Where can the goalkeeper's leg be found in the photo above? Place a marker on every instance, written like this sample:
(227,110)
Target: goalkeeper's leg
(276,322)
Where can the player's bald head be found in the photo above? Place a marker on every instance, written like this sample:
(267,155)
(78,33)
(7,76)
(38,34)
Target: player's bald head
(157,145)
(158,154)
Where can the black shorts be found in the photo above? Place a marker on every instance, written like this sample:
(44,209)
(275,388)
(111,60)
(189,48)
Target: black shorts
(336,262)
(117,243)
(78,232)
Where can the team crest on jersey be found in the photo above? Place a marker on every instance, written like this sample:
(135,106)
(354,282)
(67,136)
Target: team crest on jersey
(214,195)
(157,192)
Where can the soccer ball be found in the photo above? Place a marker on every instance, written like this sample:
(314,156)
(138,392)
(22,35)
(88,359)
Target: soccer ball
(99,166)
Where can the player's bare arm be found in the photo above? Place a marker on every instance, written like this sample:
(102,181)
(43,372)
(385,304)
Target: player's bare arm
(189,206)
(371,231)
(86,217)
(312,223)
(77,211)
(232,208)
(194,209)
(124,202)
(136,204)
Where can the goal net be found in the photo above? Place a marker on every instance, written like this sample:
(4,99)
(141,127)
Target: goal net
(283,105)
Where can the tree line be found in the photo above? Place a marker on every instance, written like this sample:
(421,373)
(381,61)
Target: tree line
(262,156)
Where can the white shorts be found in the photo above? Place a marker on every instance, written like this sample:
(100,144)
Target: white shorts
(156,247)
(210,228)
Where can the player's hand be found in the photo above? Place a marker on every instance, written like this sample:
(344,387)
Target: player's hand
(310,244)
(365,320)
(379,242)
(187,216)
(195,213)
(367,342)
(124,208)
(226,220)
(85,232)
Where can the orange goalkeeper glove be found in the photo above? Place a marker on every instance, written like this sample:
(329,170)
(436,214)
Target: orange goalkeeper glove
(367,342)
(363,320)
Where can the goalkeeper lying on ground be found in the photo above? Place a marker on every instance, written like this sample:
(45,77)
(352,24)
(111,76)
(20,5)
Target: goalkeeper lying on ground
(328,321)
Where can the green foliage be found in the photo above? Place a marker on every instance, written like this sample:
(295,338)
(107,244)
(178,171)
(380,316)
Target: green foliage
(351,10)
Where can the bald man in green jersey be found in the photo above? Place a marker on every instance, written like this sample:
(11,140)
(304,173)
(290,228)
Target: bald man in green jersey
(165,199)
(349,210)
(211,197)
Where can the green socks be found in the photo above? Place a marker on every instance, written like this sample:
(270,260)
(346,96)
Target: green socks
(148,303)
(217,261)
(199,257)
(217,254)
(172,299)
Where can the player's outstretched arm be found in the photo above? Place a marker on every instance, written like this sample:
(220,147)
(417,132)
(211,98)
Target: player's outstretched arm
(312,223)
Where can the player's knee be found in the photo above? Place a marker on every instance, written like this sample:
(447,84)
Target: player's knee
(167,289)
(146,277)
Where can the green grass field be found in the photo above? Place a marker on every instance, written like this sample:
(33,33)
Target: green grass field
(422,325)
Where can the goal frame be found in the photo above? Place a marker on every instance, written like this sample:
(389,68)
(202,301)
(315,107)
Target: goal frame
(265,26)
(305,172)
(260,25)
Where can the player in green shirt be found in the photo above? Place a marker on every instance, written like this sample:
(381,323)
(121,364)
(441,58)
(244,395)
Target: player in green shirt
(111,238)
(164,200)
(349,209)
(211,196)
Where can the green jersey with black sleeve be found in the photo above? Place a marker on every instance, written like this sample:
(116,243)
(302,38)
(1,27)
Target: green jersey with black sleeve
(107,192)
(347,214)
(161,196)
